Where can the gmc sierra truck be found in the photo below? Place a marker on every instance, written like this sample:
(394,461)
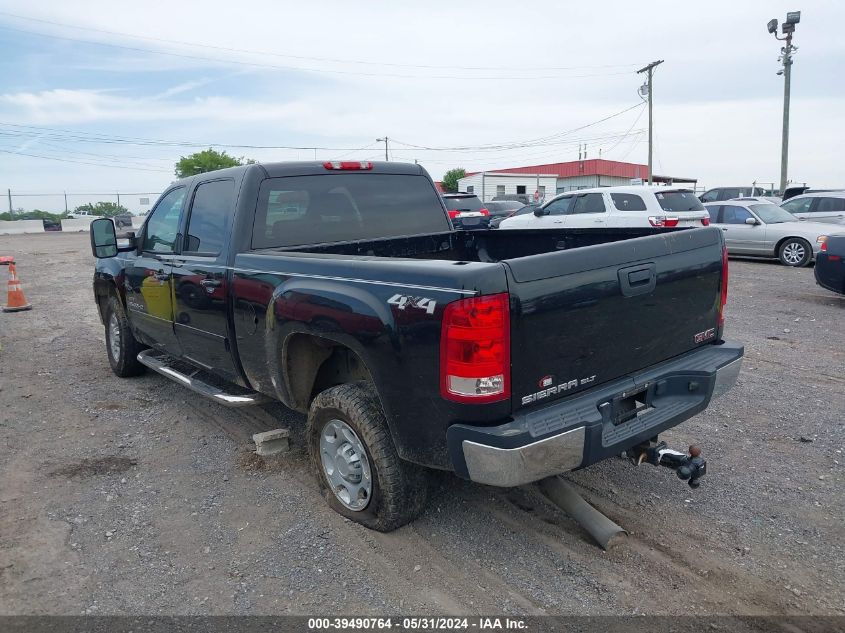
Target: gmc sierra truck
(342,290)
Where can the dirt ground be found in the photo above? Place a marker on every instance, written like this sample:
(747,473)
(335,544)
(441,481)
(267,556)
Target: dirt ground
(136,496)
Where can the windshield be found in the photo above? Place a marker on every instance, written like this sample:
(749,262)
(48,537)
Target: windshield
(463,203)
(772,213)
(679,201)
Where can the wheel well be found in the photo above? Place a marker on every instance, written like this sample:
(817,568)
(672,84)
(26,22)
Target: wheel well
(103,295)
(313,364)
(790,237)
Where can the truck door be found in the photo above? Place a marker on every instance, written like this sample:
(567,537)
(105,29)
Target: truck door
(148,284)
(200,279)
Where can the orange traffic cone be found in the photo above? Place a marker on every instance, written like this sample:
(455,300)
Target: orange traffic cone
(16,301)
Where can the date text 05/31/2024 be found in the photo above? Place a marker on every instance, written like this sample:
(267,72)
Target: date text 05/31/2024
(417,623)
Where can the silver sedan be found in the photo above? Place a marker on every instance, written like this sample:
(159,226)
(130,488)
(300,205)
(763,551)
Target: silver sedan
(767,230)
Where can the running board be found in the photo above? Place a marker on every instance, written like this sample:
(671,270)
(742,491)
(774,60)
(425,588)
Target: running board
(197,380)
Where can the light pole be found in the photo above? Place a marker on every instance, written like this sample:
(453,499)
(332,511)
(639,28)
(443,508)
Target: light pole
(384,140)
(786,52)
(650,70)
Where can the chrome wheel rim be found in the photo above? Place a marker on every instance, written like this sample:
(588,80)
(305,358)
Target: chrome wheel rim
(114,336)
(794,253)
(345,465)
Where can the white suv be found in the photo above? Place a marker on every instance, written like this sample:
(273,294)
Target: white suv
(821,206)
(611,207)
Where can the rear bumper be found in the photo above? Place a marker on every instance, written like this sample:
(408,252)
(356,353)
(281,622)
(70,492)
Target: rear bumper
(579,431)
(830,273)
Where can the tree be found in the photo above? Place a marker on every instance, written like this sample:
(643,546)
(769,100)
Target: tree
(207,160)
(106,209)
(451,177)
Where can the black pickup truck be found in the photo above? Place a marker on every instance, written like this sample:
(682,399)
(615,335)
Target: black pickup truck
(341,290)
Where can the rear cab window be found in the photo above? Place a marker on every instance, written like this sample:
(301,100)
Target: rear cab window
(211,212)
(344,207)
(679,201)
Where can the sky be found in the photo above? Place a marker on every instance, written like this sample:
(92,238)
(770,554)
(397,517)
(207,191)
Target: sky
(100,97)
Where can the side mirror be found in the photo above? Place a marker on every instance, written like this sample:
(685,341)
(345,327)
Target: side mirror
(539,212)
(103,238)
(751,221)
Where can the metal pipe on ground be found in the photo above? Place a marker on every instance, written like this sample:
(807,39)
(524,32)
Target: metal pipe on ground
(604,531)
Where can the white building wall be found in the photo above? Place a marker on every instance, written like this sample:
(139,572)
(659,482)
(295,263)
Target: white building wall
(487,186)
(585,182)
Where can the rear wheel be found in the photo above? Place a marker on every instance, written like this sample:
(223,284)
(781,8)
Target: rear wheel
(795,252)
(121,346)
(360,474)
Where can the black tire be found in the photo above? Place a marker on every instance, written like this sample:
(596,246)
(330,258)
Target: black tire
(787,251)
(399,488)
(124,358)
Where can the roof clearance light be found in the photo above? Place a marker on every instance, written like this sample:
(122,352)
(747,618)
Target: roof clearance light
(347,165)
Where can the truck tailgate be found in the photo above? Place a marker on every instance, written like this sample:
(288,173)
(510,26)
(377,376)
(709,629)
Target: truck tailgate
(584,316)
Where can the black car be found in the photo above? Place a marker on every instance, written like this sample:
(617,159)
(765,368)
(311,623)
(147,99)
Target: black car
(466,211)
(522,210)
(502,208)
(830,264)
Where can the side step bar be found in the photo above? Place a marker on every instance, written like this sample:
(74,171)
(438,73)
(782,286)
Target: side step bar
(193,379)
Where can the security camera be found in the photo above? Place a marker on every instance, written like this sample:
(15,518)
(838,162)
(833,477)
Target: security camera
(772,26)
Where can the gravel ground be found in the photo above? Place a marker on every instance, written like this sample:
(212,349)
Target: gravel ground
(136,496)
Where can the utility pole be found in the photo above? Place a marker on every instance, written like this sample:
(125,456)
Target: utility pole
(650,70)
(384,140)
(65,202)
(786,52)
(9,193)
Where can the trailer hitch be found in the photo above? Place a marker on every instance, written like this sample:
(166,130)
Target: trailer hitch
(690,467)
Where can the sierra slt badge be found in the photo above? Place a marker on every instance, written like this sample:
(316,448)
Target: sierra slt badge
(706,335)
(552,389)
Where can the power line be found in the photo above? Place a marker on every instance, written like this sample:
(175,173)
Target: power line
(301,68)
(304,57)
(68,160)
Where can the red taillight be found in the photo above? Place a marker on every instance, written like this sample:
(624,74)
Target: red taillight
(453,213)
(705,221)
(347,165)
(823,248)
(483,211)
(662,222)
(475,350)
(723,296)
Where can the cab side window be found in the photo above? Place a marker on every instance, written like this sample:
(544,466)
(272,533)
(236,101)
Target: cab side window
(628,202)
(710,196)
(735,215)
(211,211)
(163,226)
(826,205)
(800,205)
(588,203)
(559,206)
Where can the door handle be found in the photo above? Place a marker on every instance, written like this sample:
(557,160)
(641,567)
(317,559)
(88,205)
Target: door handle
(724,229)
(598,221)
(211,283)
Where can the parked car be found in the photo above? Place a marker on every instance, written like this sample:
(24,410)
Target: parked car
(51,225)
(822,206)
(764,199)
(466,211)
(522,210)
(616,207)
(411,345)
(767,230)
(830,264)
(500,209)
(524,198)
(718,194)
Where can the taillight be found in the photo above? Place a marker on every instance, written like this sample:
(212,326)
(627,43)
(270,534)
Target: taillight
(453,213)
(483,211)
(705,221)
(822,239)
(662,222)
(475,350)
(347,165)
(723,295)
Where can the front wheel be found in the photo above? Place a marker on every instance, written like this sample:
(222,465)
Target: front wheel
(121,346)
(359,471)
(795,252)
